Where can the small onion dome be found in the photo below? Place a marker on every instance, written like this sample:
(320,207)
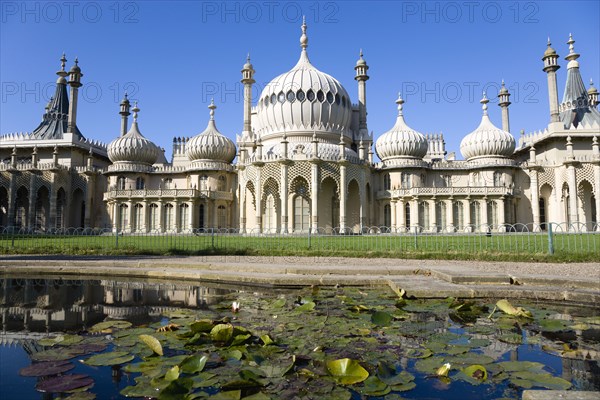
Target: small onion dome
(211,144)
(248,64)
(592,89)
(487,140)
(361,60)
(75,67)
(549,50)
(133,147)
(401,141)
(503,89)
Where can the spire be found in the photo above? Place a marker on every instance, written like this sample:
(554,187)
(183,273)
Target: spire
(484,101)
(212,107)
(304,38)
(135,110)
(400,101)
(55,119)
(572,56)
(62,73)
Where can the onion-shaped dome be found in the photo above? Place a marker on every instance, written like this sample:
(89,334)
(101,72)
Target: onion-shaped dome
(303,100)
(549,50)
(401,141)
(487,140)
(133,147)
(592,89)
(210,145)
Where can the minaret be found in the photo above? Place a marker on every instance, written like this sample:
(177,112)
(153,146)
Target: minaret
(503,102)
(75,83)
(247,80)
(550,59)
(362,78)
(592,95)
(124,114)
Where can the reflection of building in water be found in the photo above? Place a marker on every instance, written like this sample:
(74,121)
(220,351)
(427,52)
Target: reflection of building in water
(53,305)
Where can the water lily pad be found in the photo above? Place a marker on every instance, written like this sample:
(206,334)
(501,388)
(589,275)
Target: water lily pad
(153,343)
(203,325)
(430,365)
(373,386)
(346,371)
(387,373)
(510,366)
(193,364)
(108,326)
(509,309)
(544,380)
(381,318)
(64,383)
(110,358)
(140,390)
(308,306)
(81,396)
(46,368)
(176,390)
(553,325)
(476,372)
(57,354)
(222,333)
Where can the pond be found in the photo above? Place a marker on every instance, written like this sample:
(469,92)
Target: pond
(109,339)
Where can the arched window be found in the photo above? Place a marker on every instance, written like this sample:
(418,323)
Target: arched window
(140,184)
(201,212)
(458,215)
(542,205)
(405,180)
(123,217)
(387,182)
(301,214)
(168,183)
(475,214)
(154,217)
(121,183)
(492,212)
(169,217)
(221,217)
(138,215)
(221,183)
(61,203)
(22,207)
(423,180)
(387,216)
(270,223)
(440,215)
(204,182)
(184,215)
(407,215)
(593,212)
(497,178)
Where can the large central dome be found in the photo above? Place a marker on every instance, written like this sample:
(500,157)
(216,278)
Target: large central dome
(303,100)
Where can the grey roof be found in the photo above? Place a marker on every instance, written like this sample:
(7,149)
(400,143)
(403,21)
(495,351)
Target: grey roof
(575,106)
(55,120)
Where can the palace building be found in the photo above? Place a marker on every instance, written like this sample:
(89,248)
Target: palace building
(304,162)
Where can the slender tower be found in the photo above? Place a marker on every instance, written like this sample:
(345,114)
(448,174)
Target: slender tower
(592,95)
(503,102)
(361,77)
(247,80)
(550,59)
(75,83)
(124,114)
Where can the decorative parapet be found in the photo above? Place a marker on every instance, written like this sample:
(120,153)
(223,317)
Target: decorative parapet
(166,194)
(461,191)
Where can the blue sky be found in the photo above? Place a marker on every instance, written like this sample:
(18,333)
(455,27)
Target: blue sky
(174,56)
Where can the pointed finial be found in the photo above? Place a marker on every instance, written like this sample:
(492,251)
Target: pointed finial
(549,44)
(248,57)
(399,101)
(135,110)
(502,82)
(212,108)
(572,55)
(304,38)
(361,54)
(76,60)
(484,101)
(63,62)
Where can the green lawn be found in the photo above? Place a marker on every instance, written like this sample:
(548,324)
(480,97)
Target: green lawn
(503,247)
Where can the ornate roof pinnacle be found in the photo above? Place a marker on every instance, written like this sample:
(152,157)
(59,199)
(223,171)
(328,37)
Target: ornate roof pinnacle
(572,55)
(484,101)
(62,73)
(212,108)
(135,110)
(400,101)
(304,37)
(63,61)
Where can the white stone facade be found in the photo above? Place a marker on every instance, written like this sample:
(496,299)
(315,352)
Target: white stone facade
(304,162)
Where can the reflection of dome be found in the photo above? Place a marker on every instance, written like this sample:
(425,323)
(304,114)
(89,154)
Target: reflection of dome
(487,140)
(303,99)
(133,147)
(401,141)
(210,145)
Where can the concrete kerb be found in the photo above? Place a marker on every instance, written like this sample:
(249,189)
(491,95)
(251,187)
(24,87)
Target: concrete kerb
(435,282)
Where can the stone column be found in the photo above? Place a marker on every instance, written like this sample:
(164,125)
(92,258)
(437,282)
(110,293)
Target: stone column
(597,195)
(484,215)
(161,216)
(401,220)
(501,217)
(52,201)
(32,198)
(432,216)
(192,221)
(393,214)
(178,222)
(284,199)
(131,211)
(414,215)
(116,215)
(535,199)
(314,196)
(343,193)
(242,210)
(467,214)
(258,200)
(450,215)
(12,197)
(573,211)
(88,222)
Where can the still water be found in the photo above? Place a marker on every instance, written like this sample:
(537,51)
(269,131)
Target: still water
(280,344)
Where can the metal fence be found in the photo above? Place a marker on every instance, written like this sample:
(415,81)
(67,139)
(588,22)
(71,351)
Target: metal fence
(520,239)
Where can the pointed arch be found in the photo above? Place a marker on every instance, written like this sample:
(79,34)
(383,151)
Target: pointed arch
(21,207)
(271,205)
